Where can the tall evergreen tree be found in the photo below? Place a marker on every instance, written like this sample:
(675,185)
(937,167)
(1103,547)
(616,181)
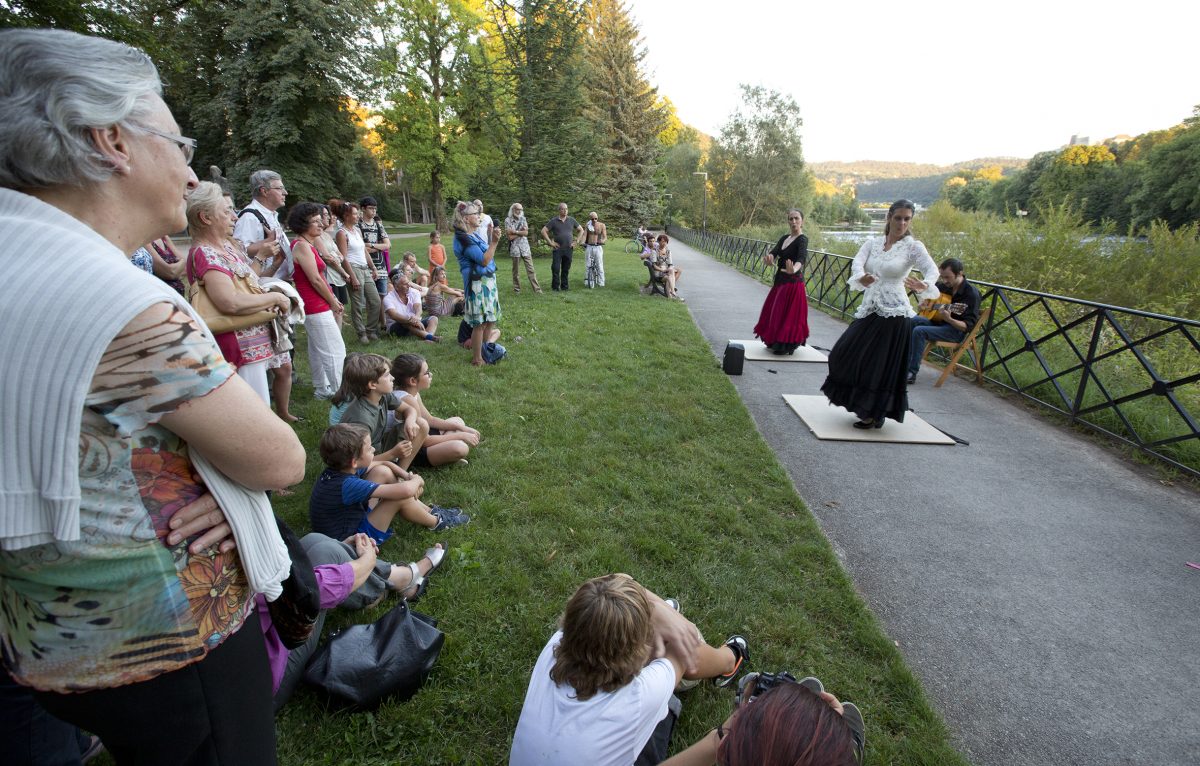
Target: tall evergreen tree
(626,115)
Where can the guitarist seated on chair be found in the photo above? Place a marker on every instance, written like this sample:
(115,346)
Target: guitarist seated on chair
(950,317)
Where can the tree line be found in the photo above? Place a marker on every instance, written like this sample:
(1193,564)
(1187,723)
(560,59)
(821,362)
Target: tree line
(1126,186)
(422,102)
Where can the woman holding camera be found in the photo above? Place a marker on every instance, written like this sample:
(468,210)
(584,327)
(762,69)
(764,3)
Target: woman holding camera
(782,722)
(477,261)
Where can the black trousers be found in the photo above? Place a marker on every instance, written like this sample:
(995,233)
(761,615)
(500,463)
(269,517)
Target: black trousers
(560,267)
(215,712)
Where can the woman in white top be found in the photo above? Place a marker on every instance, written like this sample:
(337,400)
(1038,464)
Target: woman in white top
(354,251)
(867,366)
(337,275)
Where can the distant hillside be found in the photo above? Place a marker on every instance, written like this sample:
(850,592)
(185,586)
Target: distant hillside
(883,181)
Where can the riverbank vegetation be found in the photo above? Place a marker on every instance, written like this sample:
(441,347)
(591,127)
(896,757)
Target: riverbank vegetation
(1124,185)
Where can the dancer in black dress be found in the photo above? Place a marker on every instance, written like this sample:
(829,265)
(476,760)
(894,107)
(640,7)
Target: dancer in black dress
(783,323)
(867,366)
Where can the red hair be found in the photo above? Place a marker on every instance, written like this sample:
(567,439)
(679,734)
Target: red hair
(787,726)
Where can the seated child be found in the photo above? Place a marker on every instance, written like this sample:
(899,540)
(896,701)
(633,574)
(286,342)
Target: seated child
(342,397)
(367,380)
(597,688)
(449,439)
(355,494)
(442,300)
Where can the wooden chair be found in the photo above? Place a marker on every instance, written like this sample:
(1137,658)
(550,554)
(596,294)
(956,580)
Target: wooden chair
(966,344)
(657,285)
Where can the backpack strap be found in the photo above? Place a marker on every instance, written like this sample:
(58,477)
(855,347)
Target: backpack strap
(266,227)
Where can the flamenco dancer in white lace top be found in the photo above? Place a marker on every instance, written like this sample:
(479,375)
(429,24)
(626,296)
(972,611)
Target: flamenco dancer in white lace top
(867,364)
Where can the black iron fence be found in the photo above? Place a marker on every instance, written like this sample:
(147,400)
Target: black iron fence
(1130,375)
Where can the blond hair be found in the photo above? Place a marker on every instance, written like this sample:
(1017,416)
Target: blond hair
(207,198)
(606,636)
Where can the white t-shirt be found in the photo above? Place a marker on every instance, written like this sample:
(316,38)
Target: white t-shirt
(610,729)
(406,309)
(249,230)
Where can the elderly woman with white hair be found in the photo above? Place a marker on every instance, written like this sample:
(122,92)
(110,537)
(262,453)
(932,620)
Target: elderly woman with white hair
(120,611)
(215,260)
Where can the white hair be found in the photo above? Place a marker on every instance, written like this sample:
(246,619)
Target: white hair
(55,86)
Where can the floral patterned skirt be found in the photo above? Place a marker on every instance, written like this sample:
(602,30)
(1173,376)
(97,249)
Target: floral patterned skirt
(483,302)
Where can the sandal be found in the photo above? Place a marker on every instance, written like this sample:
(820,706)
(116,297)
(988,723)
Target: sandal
(418,581)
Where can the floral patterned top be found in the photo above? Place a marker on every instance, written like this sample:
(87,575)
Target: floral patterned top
(240,347)
(886,296)
(120,605)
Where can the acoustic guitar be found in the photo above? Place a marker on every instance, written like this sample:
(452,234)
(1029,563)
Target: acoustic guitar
(931,309)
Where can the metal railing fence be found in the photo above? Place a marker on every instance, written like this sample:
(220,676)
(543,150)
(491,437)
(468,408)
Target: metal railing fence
(1131,375)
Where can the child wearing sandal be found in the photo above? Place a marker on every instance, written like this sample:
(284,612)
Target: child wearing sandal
(600,688)
(449,439)
(349,574)
(356,494)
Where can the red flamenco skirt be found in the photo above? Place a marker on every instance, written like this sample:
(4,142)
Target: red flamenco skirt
(783,321)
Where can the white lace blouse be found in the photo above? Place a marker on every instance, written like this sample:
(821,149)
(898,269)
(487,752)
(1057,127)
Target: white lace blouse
(887,296)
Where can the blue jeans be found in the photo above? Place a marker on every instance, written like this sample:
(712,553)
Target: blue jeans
(922,331)
(29,736)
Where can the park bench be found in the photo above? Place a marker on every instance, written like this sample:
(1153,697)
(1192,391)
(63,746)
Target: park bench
(657,284)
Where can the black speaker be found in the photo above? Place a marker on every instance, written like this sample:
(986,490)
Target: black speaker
(735,357)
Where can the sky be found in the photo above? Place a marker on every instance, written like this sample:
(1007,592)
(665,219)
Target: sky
(935,81)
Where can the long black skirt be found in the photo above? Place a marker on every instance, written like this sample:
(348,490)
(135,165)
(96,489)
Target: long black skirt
(868,366)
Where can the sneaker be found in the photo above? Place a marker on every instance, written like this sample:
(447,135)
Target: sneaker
(912,378)
(858,730)
(741,651)
(813,684)
(447,520)
(438,510)
(373,336)
(364,339)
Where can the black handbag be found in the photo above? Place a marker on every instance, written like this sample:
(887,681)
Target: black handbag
(391,657)
(294,614)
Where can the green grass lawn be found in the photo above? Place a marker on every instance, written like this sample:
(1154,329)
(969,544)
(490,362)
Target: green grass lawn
(612,442)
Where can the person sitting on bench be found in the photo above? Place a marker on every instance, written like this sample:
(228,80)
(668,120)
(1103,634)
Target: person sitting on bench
(948,318)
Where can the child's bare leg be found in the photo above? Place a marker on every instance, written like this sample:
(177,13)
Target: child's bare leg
(416,441)
(713,661)
(446,452)
(410,509)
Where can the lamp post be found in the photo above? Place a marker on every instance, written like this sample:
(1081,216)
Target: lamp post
(704,223)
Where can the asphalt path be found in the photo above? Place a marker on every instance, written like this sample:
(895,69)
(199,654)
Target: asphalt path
(1035,580)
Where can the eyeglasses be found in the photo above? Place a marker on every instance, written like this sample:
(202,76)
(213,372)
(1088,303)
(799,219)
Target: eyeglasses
(277,188)
(428,373)
(186,145)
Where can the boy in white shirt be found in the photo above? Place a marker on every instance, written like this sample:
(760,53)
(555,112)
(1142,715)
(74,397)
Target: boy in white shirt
(603,682)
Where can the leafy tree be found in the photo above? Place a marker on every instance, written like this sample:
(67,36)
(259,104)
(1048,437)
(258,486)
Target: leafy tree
(425,134)
(542,42)
(757,166)
(627,117)
(1170,184)
(685,203)
(284,87)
